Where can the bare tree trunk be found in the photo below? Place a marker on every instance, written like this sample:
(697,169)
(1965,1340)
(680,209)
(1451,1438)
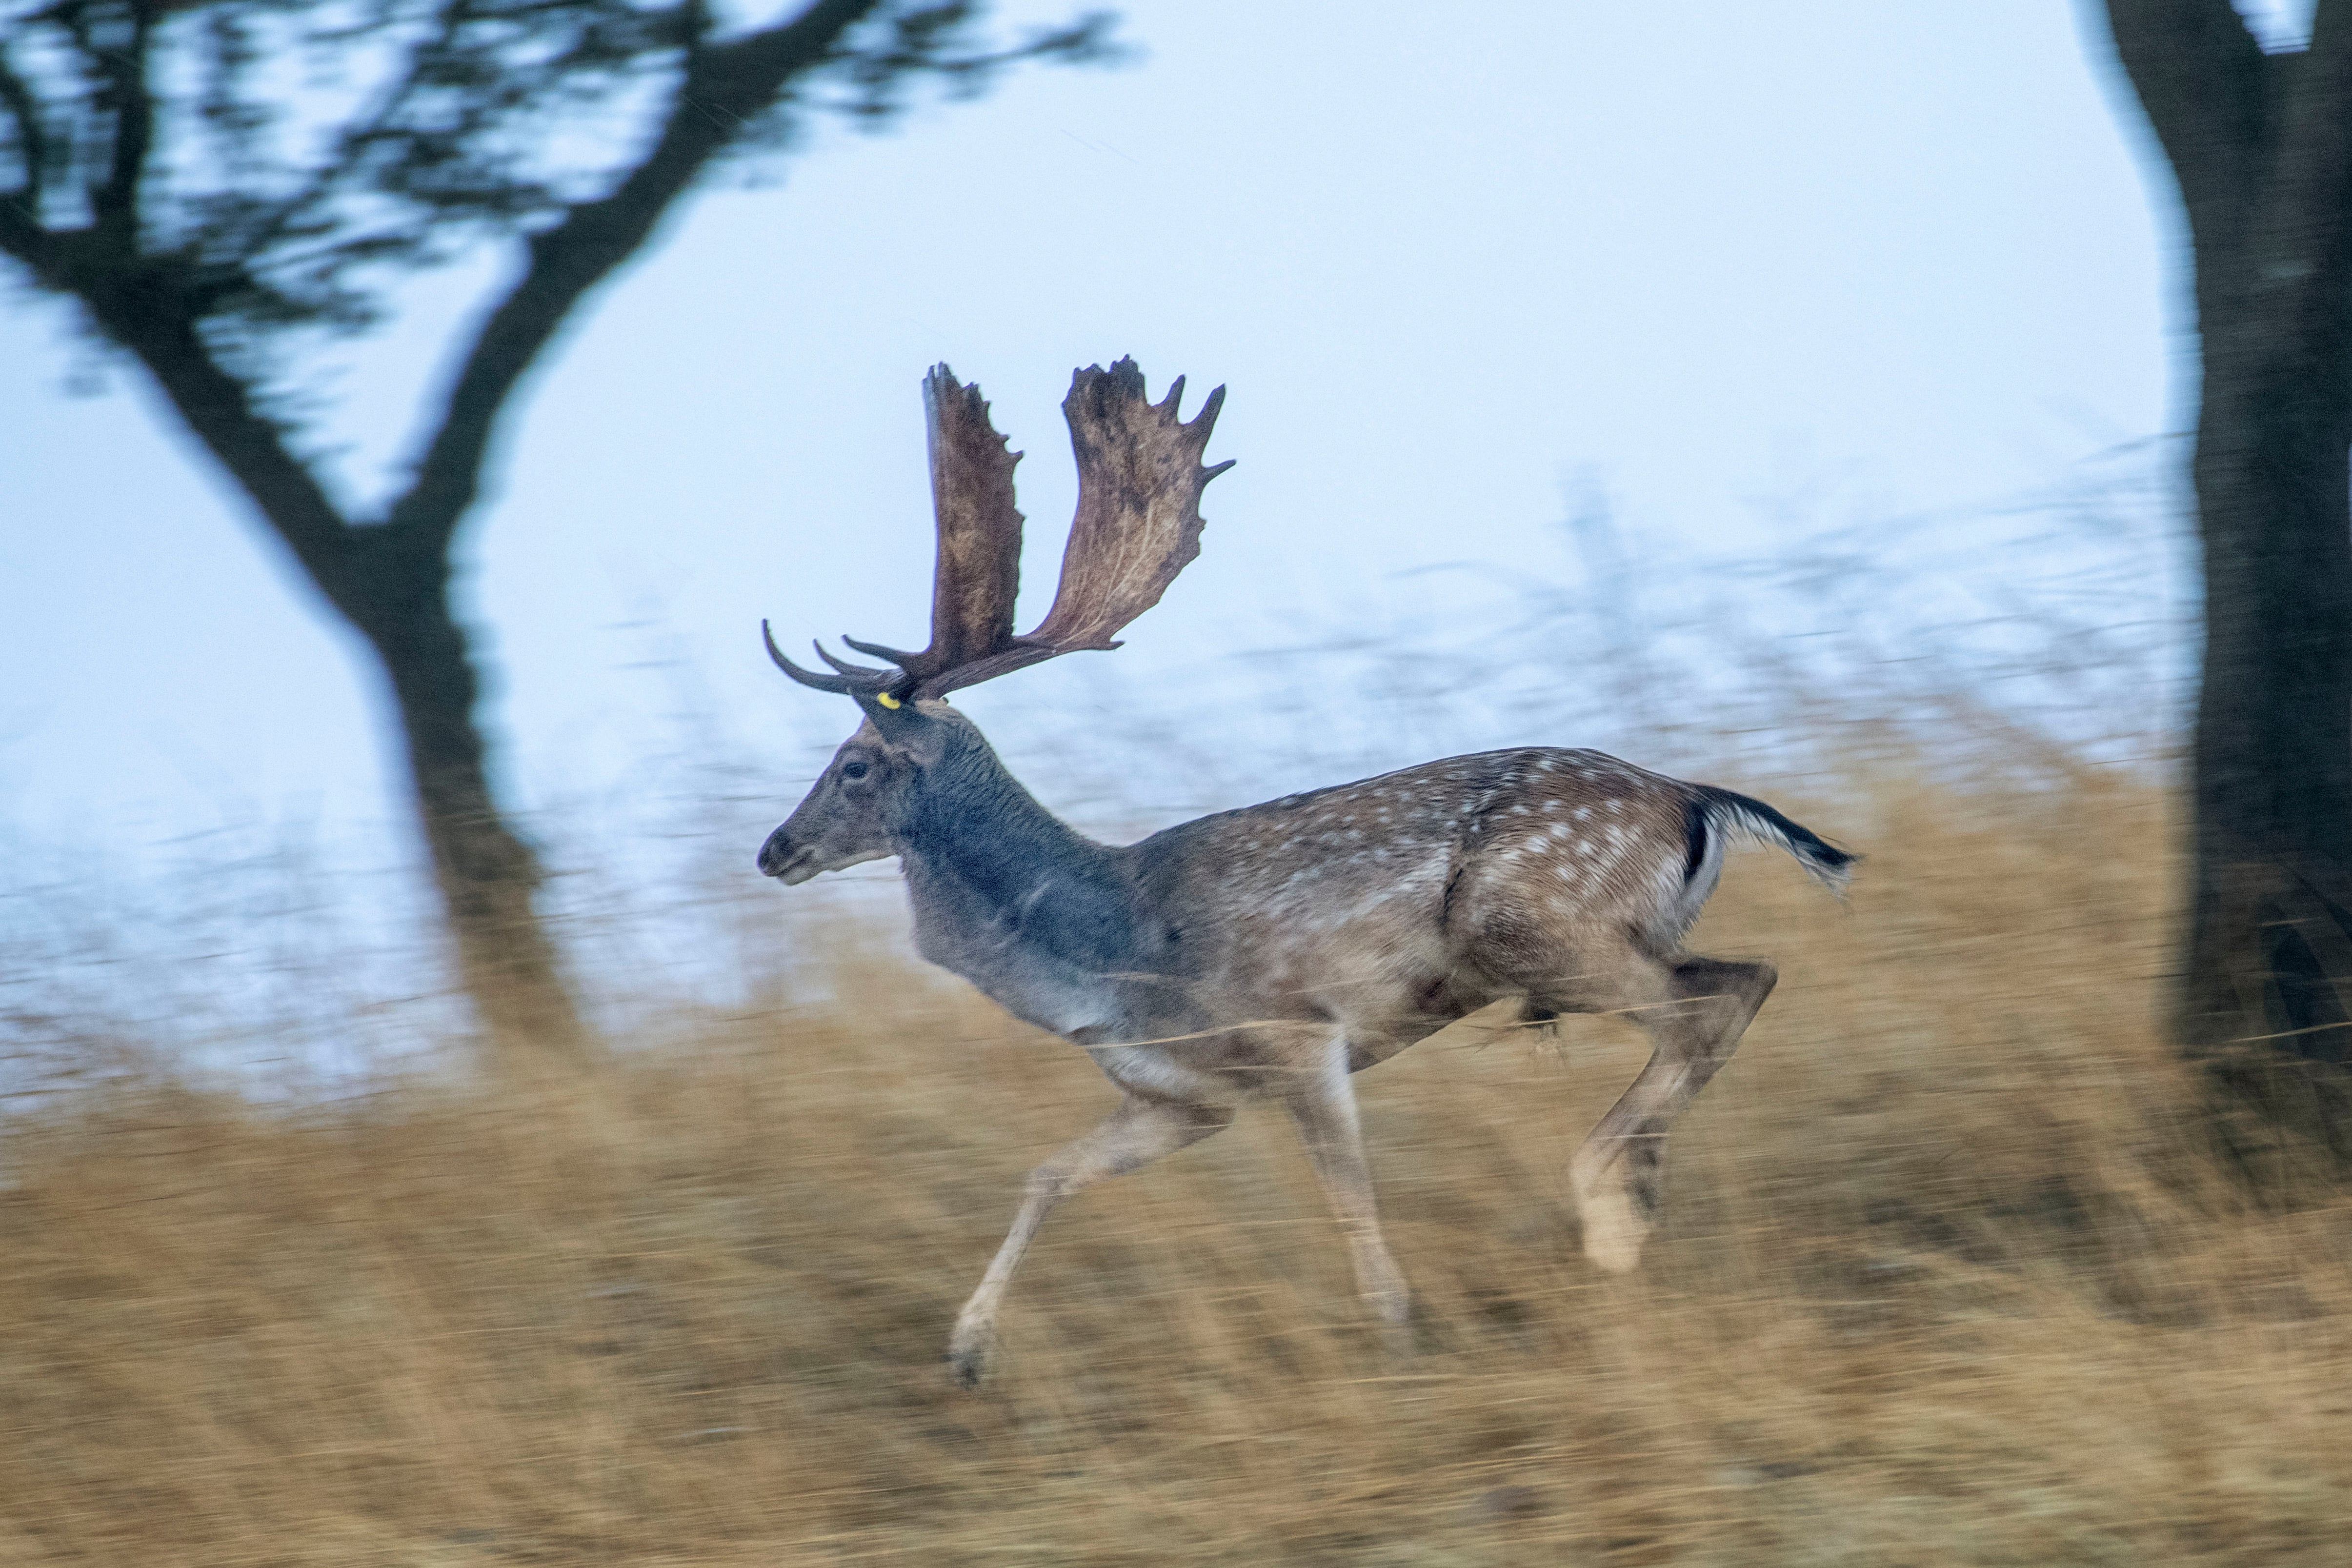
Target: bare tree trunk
(486,874)
(391,581)
(2264,1003)
(79,117)
(2262,147)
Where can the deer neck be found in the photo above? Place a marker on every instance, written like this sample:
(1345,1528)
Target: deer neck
(1006,894)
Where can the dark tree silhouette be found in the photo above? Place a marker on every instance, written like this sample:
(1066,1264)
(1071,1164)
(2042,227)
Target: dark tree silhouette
(2260,146)
(221,184)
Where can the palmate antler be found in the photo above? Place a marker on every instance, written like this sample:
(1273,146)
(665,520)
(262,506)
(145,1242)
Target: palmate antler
(1138,525)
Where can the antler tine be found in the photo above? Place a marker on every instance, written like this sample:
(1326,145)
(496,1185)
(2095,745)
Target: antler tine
(866,672)
(978,573)
(840,685)
(979,567)
(897,656)
(1138,525)
(1139,518)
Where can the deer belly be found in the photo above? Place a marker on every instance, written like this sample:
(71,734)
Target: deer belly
(1069,1013)
(1158,1072)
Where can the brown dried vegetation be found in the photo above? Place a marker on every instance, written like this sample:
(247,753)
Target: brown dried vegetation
(1948,1275)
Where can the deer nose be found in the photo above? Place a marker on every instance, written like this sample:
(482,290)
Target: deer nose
(774,853)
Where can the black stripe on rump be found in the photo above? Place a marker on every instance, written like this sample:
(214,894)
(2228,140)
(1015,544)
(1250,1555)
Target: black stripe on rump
(1694,835)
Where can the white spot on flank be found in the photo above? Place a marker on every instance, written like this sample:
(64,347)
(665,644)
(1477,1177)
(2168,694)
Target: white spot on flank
(1581,812)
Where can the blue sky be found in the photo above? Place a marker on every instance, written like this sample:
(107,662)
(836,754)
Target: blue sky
(1718,255)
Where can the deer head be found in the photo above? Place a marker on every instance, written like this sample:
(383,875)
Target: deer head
(1137,524)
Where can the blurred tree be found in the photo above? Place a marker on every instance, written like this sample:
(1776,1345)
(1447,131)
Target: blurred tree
(224,185)
(2260,146)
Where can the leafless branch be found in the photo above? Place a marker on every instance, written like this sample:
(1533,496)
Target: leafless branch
(32,136)
(218,407)
(132,107)
(723,86)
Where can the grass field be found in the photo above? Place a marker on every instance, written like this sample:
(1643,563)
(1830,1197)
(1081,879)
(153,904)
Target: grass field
(1947,1277)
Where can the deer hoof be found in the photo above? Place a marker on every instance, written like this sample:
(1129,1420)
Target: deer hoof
(1613,1230)
(968,1354)
(1611,1252)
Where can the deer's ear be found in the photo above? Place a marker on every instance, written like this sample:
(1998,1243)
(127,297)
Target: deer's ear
(894,717)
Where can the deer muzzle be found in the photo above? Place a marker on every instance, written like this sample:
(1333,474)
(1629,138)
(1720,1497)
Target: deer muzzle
(789,863)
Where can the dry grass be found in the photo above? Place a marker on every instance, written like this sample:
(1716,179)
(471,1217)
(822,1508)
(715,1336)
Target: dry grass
(1947,1279)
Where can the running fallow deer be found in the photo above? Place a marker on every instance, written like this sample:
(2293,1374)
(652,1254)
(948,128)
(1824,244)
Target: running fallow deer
(1275,950)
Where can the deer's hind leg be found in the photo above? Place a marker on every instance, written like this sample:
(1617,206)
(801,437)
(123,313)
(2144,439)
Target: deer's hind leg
(1694,1011)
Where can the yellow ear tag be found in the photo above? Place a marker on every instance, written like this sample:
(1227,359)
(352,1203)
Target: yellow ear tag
(885,698)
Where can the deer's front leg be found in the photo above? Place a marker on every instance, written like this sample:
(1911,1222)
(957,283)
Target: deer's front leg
(1139,1132)
(1322,1101)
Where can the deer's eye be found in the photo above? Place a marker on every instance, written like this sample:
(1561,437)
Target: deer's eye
(852,770)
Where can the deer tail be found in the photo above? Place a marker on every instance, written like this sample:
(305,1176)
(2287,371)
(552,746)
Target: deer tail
(1733,816)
